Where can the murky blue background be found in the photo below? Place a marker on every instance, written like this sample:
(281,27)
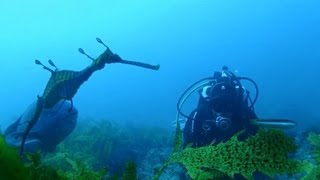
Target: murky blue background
(277,43)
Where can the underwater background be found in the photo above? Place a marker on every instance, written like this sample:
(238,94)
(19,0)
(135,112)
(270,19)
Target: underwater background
(276,43)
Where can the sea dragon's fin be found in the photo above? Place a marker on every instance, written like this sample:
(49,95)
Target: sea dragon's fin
(44,67)
(53,65)
(82,52)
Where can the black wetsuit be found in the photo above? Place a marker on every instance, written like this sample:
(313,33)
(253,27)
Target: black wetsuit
(201,130)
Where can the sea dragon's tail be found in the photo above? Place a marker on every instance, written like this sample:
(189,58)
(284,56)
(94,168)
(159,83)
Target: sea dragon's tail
(31,123)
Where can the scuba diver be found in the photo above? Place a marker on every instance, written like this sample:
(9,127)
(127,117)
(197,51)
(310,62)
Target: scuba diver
(224,108)
(53,126)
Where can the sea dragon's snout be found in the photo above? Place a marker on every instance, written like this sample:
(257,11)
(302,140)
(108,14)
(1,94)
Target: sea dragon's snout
(109,57)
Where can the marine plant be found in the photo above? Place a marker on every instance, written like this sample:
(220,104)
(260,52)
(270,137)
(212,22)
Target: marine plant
(314,171)
(130,172)
(100,143)
(13,167)
(266,152)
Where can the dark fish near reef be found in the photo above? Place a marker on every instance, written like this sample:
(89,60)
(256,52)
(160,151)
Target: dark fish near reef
(274,123)
(52,127)
(64,84)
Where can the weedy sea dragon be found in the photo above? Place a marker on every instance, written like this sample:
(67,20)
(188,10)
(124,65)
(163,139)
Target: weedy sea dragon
(64,84)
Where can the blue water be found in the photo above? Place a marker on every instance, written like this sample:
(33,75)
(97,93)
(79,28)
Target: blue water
(276,43)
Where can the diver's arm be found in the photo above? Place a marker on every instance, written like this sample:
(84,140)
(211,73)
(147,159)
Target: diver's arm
(189,134)
(250,128)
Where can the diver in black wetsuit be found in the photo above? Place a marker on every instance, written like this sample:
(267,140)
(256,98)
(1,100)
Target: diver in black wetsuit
(224,108)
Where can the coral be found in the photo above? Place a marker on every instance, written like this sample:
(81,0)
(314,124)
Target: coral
(266,152)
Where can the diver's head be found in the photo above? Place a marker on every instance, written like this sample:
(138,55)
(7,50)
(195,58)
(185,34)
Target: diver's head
(225,98)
